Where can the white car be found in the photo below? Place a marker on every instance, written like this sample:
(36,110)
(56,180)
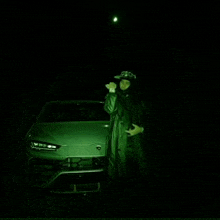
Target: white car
(66,146)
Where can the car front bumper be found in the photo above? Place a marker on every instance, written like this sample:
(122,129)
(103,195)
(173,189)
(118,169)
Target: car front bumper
(64,176)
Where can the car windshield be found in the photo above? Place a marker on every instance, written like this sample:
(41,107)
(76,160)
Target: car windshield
(60,112)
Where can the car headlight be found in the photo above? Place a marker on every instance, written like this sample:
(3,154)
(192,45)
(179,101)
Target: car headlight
(43,146)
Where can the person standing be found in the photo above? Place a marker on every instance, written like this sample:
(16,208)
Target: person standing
(123,106)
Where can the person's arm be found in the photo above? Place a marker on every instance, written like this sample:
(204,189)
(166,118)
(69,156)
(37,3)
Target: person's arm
(111,98)
(137,120)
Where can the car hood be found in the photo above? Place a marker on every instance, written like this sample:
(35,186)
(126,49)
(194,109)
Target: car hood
(78,138)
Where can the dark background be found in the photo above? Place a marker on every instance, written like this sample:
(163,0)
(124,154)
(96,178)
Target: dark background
(70,51)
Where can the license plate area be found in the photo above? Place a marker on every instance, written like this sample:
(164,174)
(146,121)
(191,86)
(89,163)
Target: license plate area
(78,182)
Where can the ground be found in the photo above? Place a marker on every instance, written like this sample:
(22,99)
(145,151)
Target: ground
(174,193)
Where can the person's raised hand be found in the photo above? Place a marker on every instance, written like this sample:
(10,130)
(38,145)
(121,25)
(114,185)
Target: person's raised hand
(111,85)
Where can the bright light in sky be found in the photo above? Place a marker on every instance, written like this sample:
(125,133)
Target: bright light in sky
(115,19)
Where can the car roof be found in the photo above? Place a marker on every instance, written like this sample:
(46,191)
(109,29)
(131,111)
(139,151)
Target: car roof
(73,101)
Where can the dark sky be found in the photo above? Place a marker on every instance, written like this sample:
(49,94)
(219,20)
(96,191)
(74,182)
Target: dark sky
(40,42)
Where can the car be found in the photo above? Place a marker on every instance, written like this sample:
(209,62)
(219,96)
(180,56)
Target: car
(66,146)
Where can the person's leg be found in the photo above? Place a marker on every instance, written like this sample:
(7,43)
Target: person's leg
(122,148)
(132,165)
(142,163)
(112,154)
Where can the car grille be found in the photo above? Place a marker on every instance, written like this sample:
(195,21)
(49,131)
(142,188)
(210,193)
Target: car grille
(61,174)
(41,165)
(78,182)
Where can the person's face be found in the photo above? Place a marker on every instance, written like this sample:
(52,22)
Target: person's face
(124,84)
